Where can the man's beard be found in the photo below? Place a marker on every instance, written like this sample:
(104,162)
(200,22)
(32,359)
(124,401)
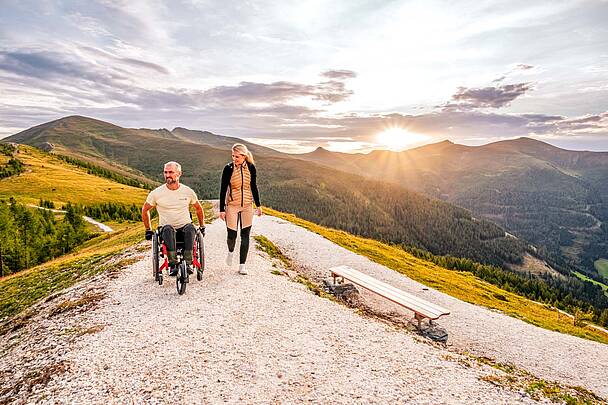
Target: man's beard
(169,180)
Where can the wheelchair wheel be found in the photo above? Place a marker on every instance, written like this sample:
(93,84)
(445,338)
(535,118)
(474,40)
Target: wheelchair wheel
(181,279)
(200,256)
(155,265)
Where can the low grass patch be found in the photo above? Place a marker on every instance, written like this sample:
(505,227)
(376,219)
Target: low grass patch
(459,284)
(601,265)
(513,378)
(265,245)
(88,299)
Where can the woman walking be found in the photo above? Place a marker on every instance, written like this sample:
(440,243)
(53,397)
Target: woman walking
(238,192)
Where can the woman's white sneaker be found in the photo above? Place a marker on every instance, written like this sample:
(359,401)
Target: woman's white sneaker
(229,258)
(242,269)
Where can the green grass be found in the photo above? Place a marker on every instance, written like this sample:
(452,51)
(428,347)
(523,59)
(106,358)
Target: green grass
(592,281)
(517,379)
(265,245)
(461,285)
(601,265)
(49,178)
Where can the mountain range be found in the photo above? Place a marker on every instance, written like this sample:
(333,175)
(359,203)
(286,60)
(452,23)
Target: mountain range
(325,195)
(555,198)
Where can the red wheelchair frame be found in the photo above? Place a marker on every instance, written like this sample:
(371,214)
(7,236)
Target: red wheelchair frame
(159,250)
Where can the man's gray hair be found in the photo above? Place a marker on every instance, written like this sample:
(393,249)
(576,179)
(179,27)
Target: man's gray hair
(177,166)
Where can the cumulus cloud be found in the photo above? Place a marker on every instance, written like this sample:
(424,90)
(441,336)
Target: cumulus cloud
(487,97)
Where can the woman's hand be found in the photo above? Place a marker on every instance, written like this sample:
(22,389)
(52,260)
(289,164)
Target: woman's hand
(223,216)
(258,211)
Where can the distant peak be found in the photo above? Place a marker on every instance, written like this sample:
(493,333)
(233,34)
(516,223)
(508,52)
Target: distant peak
(77,118)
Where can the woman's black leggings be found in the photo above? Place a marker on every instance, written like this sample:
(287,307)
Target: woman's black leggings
(244,242)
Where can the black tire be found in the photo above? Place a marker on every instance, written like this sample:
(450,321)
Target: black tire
(155,259)
(200,256)
(181,278)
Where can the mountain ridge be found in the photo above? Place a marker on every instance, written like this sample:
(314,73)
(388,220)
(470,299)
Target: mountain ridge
(537,191)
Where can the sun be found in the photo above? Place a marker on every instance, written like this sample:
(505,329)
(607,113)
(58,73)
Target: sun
(397,138)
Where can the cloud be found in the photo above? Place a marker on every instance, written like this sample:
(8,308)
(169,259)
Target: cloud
(339,74)
(278,92)
(137,63)
(47,65)
(487,97)
(523,66)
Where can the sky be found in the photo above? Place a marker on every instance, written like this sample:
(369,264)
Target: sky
(347,75)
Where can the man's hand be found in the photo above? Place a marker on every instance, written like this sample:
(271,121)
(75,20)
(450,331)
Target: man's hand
(149,234)
(223,216)
(202,229)
(258,211)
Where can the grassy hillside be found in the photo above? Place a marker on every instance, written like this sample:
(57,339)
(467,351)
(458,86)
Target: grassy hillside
(461,285)
(49,178)
(102,140)
(601,266)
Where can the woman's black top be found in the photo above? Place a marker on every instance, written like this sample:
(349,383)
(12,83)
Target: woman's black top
(227,174)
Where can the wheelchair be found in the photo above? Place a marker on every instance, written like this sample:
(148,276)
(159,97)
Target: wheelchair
(159,255)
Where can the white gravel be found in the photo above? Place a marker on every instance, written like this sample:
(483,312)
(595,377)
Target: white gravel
(550,355)
(259,338)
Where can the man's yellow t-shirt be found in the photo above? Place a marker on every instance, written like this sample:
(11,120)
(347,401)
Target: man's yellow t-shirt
(173,206)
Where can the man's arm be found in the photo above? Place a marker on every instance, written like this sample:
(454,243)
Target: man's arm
(145,215)
(200,213)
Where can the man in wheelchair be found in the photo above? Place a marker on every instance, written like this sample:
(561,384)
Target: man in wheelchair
(172,201)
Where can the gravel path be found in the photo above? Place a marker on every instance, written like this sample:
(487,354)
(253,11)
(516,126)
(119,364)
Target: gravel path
(546,354)
(260,338)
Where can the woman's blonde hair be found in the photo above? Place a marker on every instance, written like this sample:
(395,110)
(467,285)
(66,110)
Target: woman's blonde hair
(242,149)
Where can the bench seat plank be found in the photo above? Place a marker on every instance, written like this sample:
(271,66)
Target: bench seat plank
(419,306)
(381,285)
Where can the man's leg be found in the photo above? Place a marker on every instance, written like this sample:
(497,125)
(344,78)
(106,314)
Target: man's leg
(189,232)
(167,232)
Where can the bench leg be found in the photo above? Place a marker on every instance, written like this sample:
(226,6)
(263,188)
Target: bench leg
(419,319)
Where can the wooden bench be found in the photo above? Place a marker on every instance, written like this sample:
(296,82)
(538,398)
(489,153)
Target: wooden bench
(421,308)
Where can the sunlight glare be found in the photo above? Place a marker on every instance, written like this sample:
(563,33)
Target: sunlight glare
(397,138)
